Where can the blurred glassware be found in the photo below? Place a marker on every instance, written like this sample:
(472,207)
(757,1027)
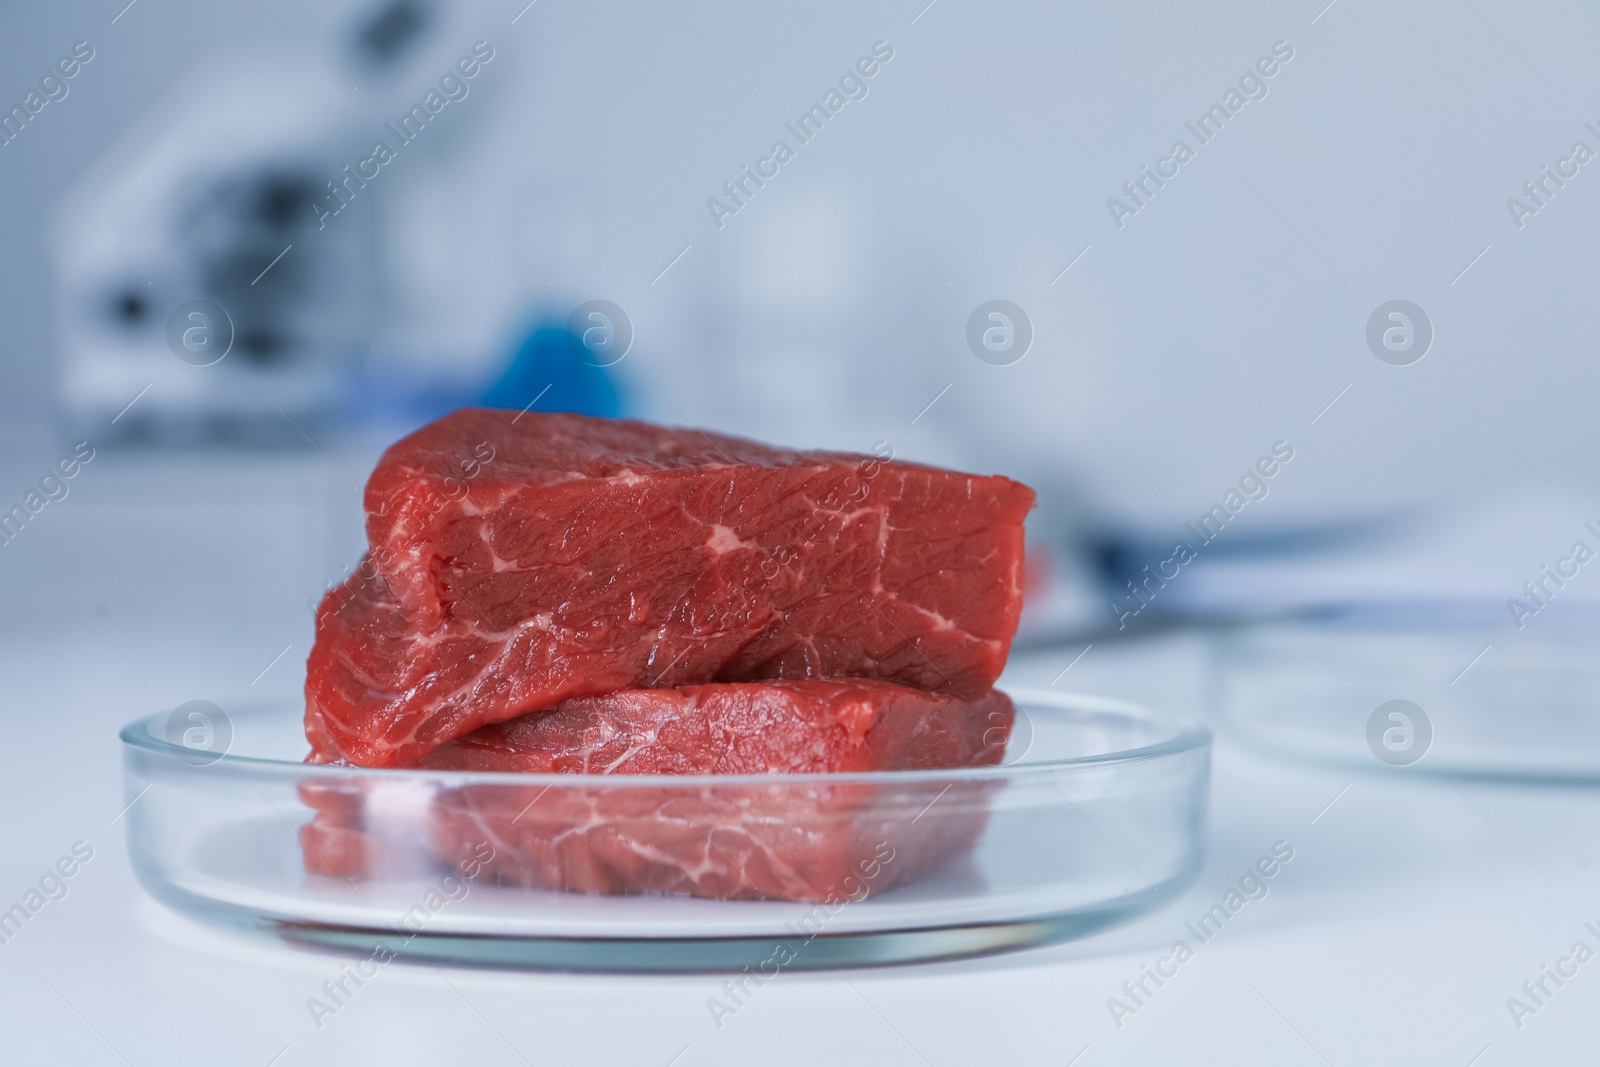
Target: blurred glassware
(1441,687)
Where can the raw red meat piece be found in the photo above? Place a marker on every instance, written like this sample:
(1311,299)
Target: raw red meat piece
(800,840)
(806,839)
(334,843)
(519,560)
(742,728)
(365,828)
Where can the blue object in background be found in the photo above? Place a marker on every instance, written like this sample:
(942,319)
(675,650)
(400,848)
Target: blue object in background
(550,361)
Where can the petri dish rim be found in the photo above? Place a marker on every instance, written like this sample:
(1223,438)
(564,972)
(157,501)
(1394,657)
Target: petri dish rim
(1186,735)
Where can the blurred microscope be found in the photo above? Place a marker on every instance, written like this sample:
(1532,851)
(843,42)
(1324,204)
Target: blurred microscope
(242,278)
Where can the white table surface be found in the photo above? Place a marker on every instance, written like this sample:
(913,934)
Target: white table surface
(1412,909)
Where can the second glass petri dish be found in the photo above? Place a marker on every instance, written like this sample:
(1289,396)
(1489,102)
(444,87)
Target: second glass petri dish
(1438,687)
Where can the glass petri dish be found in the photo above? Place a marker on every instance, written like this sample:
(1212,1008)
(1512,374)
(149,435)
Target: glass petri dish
(1475,695)
(1095,817)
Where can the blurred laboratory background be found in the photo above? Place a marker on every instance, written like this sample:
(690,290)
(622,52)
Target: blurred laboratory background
(391,208)
(1284,309)
(395,207)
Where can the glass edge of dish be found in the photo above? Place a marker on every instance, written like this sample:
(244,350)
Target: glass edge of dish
(1412,613)
(1187,735)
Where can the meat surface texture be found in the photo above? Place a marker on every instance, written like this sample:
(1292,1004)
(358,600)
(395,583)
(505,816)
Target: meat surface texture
(805,839)
(799,840)
(517,561)
(742,728)
(335,843)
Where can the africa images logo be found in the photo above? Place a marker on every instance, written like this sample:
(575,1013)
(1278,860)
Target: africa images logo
(1399,333)
(1252,85)
(999,333)
(1251,886)
(1399,733)
(852,85)
(199,733)
(453,87)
